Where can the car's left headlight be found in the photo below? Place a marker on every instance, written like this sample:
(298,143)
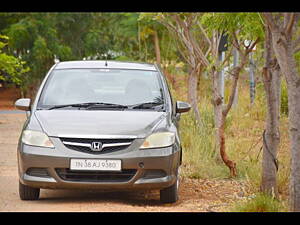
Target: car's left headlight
(159,140)
(36,138)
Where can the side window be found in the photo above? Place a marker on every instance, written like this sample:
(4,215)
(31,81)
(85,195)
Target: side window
(173,107)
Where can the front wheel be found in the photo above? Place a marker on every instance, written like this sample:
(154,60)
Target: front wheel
(28,193)
(170,194)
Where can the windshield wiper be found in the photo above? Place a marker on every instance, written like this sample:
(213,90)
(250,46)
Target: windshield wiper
(145,105)
(103,105)
(89,105)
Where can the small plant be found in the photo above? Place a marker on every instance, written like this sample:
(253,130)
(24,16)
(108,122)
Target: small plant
(260,203)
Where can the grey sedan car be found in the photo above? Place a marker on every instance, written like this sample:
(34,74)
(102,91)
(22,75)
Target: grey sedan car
(101,125)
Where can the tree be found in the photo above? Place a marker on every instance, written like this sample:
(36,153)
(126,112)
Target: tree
(236,26)
(34,39)
(284,28)
(90,35)
(249,26)
(154,30)
(271,135)
(11,68)
(128,37)
(198,42)
(191,45)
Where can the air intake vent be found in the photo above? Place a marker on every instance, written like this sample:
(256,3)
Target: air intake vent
(96,176)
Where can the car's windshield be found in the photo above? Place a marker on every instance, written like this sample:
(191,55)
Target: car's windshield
(115,86)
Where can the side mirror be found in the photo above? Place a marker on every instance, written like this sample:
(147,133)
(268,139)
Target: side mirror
(23,104)
(182,107)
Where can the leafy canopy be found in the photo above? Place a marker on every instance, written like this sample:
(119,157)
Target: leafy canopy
(11,68)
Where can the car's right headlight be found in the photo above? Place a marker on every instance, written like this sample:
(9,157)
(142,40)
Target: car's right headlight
(36,138)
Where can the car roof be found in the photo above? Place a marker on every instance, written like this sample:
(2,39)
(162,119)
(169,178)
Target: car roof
(104,64)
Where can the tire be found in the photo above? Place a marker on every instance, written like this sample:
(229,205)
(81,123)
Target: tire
(28,193)
(170,194)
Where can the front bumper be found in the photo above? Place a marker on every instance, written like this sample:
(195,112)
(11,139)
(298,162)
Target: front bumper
(164,159)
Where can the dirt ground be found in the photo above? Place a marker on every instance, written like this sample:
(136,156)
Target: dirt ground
(196,195)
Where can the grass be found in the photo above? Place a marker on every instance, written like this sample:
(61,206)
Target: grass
(199,154)
(244,128)
(259,203)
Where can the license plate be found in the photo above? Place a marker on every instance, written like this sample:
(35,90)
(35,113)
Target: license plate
(95,164)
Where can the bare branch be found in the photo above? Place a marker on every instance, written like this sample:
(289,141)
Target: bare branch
(214,47)
(169,26)
(268,47)
(235,42)
(236,74)
(208,51)
(289,26)
(270,20)
(218,37)
(232,93)
(204,32)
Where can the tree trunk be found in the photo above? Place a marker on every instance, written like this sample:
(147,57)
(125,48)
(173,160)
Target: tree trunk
(218,107)
(220,119)
(157,48)
(221,111)
(284,54)
(271,138)
(251,79)
(230,164)
(235,63)
(193,94)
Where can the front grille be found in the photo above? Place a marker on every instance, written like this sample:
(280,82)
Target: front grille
(76,144)
(96,176)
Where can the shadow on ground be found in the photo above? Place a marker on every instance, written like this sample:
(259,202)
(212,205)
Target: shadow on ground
(140,198)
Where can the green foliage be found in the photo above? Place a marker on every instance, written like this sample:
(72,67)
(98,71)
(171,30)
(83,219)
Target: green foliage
(260,203)
(249,25)
(11,68)
(148,25)
(34,38)
(37,38)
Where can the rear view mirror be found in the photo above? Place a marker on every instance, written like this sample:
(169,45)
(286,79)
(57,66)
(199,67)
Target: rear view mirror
(23,104)
(182,107)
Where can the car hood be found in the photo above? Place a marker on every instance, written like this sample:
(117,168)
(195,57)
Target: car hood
(81,123)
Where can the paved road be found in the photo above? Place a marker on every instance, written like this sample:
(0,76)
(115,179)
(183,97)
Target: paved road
(12,112)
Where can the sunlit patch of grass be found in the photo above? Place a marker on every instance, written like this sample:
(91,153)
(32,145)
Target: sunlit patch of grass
(259,203)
